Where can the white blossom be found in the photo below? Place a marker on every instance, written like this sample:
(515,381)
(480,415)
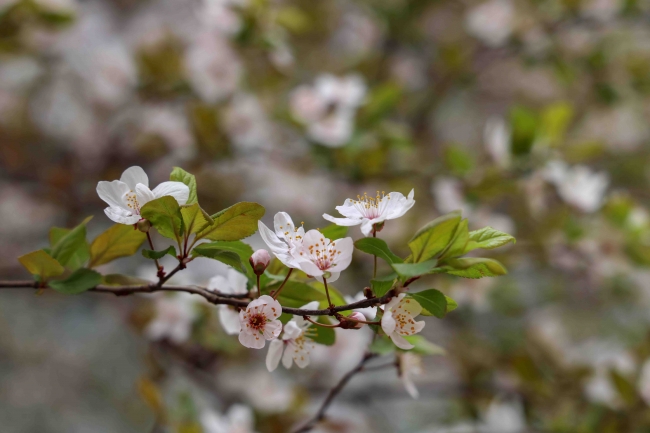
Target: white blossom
(491,21)
(259,322)
(173,319)
(125,197)
(369,312)
(238,419)
(321,258)
(286,239)
(234,283)
(578,185)
(295,346)
(369,211)
(398,320)
(497,141)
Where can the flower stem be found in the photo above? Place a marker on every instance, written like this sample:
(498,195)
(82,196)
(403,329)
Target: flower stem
(155,260)
(361,321)
(327,292)
(277,292)
(374,272)
(259,289)
(307,318)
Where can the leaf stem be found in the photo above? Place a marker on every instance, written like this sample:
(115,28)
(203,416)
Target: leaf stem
(374,272)
(259,288)
(277,292)
(327,292)
(158,267)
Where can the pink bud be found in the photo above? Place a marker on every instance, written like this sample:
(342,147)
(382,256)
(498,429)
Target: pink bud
(260,261)
(358,316)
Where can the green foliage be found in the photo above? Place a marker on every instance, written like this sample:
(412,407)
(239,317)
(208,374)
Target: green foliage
(164,213)
(434,237)
(79,257)
(457,246)
(79,281)
(473,268)
(459,161)
(433,302)
(295,294)
(195,219)
(524,124)
(118,241)
(451,304)
(68,245)
(156,255)
(234,223)
(180,175)
(381,100)
(382,345)
(381,286)
(379,248)
(221,254)
(41,264)
(333,232)
(321,335)
(487,238)
(422,346)
(243,250)
(409,270)
(335,295)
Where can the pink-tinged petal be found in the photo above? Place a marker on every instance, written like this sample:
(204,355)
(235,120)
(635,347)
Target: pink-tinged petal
(229,320)
(401,205)
(274,354)
(133,176)
(388,323)
(366,226)
(287,357)
(272,329)
(143,194)
(237,282)
(347,222)
(349,210)
(278,247)
(259,303)
(252,341)
(343,260)
(272,309)
(113,192)
(121,216)
(178,190)
(401,341)
(309,268)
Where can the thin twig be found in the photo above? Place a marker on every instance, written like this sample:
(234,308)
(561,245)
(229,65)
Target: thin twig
(307,318)
(277,292)
(158,267)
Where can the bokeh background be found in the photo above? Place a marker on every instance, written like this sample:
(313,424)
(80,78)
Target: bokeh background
(529,115)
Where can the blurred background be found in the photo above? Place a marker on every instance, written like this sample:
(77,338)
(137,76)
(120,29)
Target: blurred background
(529,115)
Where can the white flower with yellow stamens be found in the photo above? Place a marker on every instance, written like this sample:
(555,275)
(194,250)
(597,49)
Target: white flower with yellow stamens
(369,211)
(296,343)
(234,283)
(321,257)
(286,239)
(398,321)
(125,197)
(259,322)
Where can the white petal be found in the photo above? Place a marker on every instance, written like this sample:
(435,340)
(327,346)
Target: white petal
(178,190)
(313,305)
(291,330)
(229,320)
(143,194)
(410,306)
(133,176)
(282,222)
(121,216)
(253,341)
(287,357)
(272,329)
(237,282)
(347,222)
(388,323)
(272,309)
(309,268)
(410,386)
(366,226)
(349,210)
(113,192)
(301,358)
(400,206)
(274,354)
(219,284)
(241,416)
(400,341)
(342,261)
(278,247)
(369,313)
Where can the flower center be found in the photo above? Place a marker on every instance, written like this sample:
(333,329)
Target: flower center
(292,233)
(132,202)
(257,321)
(371,207)
(323,254)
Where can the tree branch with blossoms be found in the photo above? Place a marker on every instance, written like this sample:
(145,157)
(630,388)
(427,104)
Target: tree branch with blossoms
(290,301)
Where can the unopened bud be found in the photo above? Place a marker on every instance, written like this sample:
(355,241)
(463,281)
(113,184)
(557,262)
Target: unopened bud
(358,316)
(367,292)
(143,225)
(260,261)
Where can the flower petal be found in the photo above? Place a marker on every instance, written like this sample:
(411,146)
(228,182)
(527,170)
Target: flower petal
(410,386)
(121,216)
(253,341)
(133,176)
(274,354)
(347,222)
(237,282)
(219,284)
(113,192)
(291,330)
(388,323)
(272,329)
(287,357)
(366,226)
(301,358)
(178,190)
(143,194)
(272,309)
(401,341)
(229,320)
(342,261)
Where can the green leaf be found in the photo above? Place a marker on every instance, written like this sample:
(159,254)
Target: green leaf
(195,218)
(335,295)
(434,237)
(487,238)
(243,250)
(433,302)
(225,256)
(457,245)
(237,222)
(79,281)
(41,264)
(320,335)
(180,175)
(120,240)
(451,304)
(408,270)
(473,268)
(333,232)
(379,248)
(381,286)
(70,243)
(164,213)
(156,255)
(80,256)
(424,347)
(382,345)
(295,294)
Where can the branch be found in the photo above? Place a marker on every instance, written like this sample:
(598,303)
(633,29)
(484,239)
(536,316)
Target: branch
(320,415)
(216,298)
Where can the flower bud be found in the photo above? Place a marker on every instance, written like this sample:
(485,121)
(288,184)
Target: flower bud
(358,316)
(260,261)
(143,225)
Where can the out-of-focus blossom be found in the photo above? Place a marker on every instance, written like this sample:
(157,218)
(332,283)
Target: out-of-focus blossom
(329,107)
(322,258)
(448,195)
(247,124)
(503,417)
(357,35)
(643,384)
(295,346)
(497,141)
(59,6)
(368,211)
(234,283)
(214,68)
(22,214)
(238,419)
(125,197)
(491,21)
(409,70)
(601,10)
(173,319)
(397,320)
(369,312)
(621,128)
(286,240)
(171,125)
(578,185)
(220,16)
(410,365)
(259,322)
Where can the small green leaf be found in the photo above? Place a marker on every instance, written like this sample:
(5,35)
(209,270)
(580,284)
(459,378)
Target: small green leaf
(433,302)
(333,232)
(321,335)
(451,304)
(120,240)
(408,270)
(243,250)
(424,347)
(379,248)
(487,238)
(473,268)
(70,243)
(459,242)
(164,213)
(228,257)
(195,218)
(434,237)
(41,264)
(295,294)
(79,281)
(157,255)
(234,223)
(80,256)
(381,286)
(180,175)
